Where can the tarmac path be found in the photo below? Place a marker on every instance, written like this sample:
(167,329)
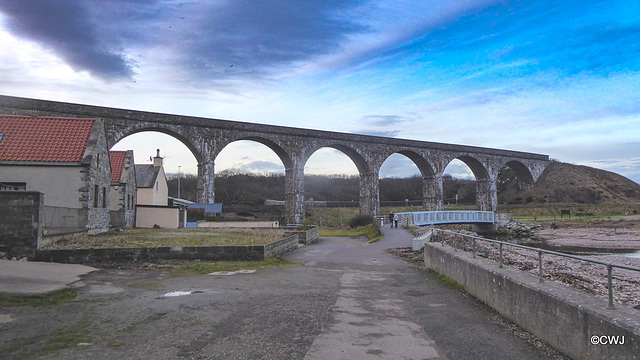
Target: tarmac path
(345,300)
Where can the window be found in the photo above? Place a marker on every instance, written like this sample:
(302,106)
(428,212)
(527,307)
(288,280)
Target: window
(98,160)
(157,186)
(96,193)
(13,186)
(104,197)
(1,136)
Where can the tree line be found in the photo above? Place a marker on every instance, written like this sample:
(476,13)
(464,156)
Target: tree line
(235,186)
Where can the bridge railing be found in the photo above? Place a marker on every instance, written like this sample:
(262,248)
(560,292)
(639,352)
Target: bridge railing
(430,234)
(424,218)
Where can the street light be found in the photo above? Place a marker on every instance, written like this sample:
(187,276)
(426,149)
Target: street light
(179,176)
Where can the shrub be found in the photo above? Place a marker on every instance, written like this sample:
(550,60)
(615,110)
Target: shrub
(360,220)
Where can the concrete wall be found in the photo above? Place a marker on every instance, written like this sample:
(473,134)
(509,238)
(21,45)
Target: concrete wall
(21,222)
(561,316)
(164,216)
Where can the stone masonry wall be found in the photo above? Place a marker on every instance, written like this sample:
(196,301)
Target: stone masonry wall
(209,253)
(97,177)
(21,222)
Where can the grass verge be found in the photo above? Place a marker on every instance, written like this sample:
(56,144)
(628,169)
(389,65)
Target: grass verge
(370,231)
(201,268)
(52,298)
(141,238)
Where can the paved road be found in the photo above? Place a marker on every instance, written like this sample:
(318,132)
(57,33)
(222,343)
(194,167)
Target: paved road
(346,300)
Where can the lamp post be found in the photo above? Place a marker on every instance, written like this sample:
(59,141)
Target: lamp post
(179,176)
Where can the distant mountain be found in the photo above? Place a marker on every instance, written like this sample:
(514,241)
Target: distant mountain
(566,183)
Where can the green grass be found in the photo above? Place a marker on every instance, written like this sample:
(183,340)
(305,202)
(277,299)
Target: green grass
(147,285)
(68,337)
(52,298)
(370,231)
(447,282)
(551,211)
(63,338)
(201,268)
(138,238)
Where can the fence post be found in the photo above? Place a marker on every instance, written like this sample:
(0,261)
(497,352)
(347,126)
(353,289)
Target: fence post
(474,248)
(500,256)
(540,266)
(610,279)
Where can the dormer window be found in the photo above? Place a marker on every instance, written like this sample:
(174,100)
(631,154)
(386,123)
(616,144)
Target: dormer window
(1,136)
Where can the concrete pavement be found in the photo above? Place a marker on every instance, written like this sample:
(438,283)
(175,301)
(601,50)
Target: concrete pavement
(27,277)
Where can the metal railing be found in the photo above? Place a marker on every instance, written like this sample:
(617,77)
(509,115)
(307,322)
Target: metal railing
(422,218)
(609,265)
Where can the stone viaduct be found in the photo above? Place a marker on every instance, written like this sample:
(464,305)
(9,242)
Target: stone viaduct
(207,137)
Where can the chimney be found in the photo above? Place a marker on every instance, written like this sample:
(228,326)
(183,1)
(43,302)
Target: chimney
(157,161)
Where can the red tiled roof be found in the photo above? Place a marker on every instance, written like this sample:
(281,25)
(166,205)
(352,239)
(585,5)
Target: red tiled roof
(48,139)
(117,164)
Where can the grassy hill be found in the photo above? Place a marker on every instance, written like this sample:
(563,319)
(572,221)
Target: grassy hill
(563,183)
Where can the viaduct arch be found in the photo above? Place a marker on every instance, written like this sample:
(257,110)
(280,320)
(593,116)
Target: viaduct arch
(207,137)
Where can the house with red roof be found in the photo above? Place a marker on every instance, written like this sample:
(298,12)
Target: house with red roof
(67,160)
(123,198)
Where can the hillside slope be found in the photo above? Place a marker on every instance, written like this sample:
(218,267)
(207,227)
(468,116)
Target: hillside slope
(566,183)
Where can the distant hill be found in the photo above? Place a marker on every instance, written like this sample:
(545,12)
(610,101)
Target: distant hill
(566,183)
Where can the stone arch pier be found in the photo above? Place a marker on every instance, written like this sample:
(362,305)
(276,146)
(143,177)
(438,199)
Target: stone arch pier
(207,137)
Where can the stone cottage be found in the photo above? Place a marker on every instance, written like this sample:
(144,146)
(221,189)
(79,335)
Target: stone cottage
(67,160)
(122,204)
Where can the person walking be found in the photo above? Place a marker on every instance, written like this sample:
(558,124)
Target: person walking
(395,221)
(391,219)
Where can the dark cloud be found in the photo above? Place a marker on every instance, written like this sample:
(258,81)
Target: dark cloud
(383,125)
(203,41)
(247,37)
(65,27)
(383,120)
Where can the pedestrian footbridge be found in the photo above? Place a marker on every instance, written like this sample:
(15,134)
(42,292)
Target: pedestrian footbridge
(424,218)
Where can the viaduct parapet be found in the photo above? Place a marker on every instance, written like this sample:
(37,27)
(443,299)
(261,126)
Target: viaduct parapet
(207,137)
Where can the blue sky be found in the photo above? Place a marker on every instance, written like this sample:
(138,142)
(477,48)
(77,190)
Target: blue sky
(560,78)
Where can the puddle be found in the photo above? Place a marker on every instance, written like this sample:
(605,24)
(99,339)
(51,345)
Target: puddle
(226,273)
(180,293)
(5,319)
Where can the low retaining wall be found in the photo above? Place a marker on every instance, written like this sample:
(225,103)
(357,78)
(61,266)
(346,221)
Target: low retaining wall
(307,237)
(209,253)
(565,318)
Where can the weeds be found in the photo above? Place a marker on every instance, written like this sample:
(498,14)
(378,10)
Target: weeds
(201,268)
(52,298)
(370,231)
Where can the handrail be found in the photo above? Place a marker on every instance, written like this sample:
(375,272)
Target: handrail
(609,265)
